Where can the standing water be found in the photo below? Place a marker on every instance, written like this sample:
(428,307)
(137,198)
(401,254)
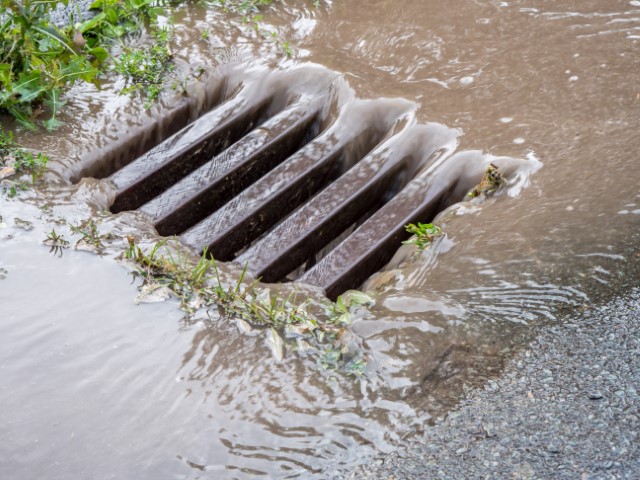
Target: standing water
(94,386)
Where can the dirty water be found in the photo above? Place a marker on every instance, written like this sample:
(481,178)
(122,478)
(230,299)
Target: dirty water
(93,386)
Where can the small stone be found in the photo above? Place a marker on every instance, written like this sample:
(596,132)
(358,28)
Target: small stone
(7,172)
(553,448)
(595,395)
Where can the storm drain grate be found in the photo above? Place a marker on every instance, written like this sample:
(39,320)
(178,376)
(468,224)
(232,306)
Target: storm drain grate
(299,183)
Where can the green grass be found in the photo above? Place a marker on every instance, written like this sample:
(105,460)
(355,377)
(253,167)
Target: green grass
(39,61)
(286,318)
(146,68)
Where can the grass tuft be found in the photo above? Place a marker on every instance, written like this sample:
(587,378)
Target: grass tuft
(286,319)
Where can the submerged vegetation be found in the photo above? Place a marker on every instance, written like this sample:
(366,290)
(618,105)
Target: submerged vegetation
(250,11)
(16,160)
(286,321)
(290,322)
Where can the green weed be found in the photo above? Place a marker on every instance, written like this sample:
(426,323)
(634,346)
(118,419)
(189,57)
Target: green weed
(286,319)
(146,69)
(39,61)
(425,234)
(56,242)
(90,235)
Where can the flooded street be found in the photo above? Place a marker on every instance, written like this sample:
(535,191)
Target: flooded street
(94,386)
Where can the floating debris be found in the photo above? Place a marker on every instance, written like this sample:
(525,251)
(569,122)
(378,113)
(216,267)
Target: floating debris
(491,181)
(153,293)
(24,224)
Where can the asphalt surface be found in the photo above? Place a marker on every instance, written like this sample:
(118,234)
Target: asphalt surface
(567,407)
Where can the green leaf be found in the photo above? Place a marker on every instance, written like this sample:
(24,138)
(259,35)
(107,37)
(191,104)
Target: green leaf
(28,86)
(22,118)
(54,102)
(357,298)
(100,53)
(140,3)
(52,124)
(91,23)
(340,306)
(78,68)
(115,31)
(5,75)
(102,4)
(111,15)
(50,32)
(46,44)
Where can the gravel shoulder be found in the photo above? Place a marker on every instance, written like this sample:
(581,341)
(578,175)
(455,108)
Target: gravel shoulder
(567,407)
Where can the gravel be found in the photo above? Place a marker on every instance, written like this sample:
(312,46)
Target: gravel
(75,10)
(567,407)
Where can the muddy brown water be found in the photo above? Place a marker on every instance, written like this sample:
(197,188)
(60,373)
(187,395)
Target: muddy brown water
(94,386)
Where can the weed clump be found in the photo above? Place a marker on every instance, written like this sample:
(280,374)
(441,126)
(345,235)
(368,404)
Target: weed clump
(57,242)
(287,321)
(491,181)
(40,60)
(424,234)
(146,67)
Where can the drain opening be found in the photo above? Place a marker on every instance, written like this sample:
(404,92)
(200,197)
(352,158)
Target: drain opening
(155,171)
(373,243)
(266,202)
(216,182)
(276,180)
(107,158)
